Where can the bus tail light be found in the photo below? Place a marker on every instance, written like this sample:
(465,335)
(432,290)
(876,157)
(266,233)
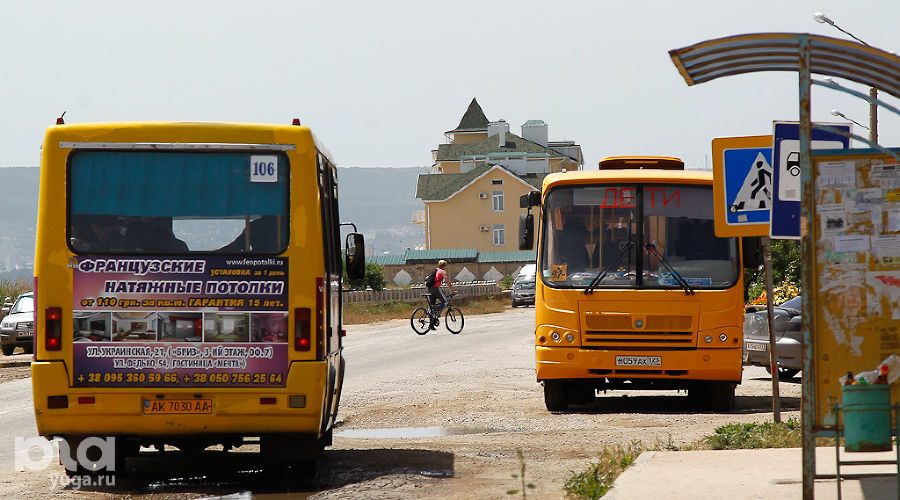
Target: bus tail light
(302,328)
(57,401)
(320,318)
(53,328)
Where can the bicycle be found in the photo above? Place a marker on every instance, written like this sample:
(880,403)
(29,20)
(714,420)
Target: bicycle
(424,319)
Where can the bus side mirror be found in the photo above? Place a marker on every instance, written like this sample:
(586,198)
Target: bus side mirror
(526,232)
(530,199)
(751,248)
(355,256)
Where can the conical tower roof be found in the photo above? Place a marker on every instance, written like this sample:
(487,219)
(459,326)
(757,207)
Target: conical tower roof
(472,121)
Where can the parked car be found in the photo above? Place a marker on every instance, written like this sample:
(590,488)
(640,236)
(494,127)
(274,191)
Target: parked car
(788,337)
(523,291)
(17,328)
(7,305)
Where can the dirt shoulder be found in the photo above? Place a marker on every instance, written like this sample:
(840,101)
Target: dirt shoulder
(495,396)
(15,367)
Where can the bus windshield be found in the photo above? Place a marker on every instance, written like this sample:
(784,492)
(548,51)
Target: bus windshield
(168,202)
(634,236)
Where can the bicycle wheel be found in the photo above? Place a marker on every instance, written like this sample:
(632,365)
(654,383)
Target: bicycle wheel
(420,321)
(454,320)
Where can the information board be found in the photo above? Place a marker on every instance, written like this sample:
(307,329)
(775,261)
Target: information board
(856,269)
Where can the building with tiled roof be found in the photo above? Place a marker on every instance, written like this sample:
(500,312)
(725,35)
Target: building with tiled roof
(472,195)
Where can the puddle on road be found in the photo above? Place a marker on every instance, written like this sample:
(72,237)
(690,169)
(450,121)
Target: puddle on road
(412,432)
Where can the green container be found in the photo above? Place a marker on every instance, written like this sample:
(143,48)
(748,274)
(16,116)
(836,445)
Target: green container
(867,417)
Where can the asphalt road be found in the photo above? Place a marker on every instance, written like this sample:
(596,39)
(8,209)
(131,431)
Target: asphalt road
(481,379)
(16,420)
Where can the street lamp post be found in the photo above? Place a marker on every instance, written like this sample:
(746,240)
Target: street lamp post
(842,115)
(873,92)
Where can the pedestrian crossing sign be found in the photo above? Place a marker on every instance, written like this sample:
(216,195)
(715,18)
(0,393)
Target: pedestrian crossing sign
(742,185)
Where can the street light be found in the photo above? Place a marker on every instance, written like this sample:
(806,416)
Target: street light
(873,92)
(836,112)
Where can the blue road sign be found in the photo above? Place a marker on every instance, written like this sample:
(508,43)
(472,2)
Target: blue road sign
(742,185)
(785,218)
(748,185)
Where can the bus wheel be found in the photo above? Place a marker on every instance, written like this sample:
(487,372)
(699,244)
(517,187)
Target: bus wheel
(721,396)
(121,450)
(583,394)
(556,395)
(698,394)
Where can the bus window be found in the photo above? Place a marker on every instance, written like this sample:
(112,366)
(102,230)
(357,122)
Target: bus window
(152,202)
(593,230)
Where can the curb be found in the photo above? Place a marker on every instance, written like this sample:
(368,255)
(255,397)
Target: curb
(12,364)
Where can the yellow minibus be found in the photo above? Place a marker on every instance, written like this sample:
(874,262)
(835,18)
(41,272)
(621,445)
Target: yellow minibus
(188,288)
(634,290)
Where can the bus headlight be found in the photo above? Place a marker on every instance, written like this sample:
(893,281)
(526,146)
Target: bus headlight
(708,339)
(555,336)
(723,337)
(570,338)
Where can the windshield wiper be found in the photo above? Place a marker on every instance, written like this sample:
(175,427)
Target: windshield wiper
(606,270)
(652,250)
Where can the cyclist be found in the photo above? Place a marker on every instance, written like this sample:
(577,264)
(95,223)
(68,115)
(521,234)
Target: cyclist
(438,299)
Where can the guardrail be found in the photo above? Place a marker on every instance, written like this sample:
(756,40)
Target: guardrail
(414,293)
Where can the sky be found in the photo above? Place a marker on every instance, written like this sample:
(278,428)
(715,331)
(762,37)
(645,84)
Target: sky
(380,82)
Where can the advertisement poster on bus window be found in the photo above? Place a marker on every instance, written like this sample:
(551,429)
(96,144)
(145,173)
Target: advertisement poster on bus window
(180,321)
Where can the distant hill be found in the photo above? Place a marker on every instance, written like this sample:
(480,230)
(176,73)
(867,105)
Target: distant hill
(380,201)
(18,216)
(378,198)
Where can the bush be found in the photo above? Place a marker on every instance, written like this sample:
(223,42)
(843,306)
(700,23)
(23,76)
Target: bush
(375,276)
(506,282)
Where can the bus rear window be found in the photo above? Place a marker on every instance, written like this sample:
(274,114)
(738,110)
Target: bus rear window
(155,202)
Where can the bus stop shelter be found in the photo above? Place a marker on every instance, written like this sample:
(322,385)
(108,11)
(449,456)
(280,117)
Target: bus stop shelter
(809,54)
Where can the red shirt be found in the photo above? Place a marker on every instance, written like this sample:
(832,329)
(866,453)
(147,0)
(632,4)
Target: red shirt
(439,277)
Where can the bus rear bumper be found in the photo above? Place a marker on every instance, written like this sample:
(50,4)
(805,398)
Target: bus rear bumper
(120,411)
(722,364)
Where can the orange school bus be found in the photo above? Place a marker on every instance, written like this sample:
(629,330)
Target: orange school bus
(188,287)
(635,291)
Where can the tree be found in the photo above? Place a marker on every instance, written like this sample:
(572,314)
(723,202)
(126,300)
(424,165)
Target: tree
(373,278)
(785,269)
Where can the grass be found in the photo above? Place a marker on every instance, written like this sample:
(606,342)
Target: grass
(600,474)
(594,482)
(753,435)
(356,313)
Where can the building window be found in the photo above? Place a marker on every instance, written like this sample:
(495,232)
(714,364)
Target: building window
(499,235)
(497,182)
(497,201)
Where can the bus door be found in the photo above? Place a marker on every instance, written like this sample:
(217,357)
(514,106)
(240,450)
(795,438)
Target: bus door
(332,289)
